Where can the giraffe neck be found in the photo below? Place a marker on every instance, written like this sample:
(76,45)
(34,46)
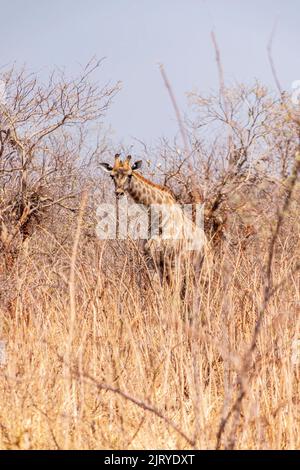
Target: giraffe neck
(145,192)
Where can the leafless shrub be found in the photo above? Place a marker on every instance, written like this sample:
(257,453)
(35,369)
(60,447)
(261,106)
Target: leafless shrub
(45,130)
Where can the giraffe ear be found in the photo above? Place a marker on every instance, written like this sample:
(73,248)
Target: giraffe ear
(106,167)
(137,165)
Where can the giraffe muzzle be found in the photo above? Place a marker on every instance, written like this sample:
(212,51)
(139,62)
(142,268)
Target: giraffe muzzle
(119,193)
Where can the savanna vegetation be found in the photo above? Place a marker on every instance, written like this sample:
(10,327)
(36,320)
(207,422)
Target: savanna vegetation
(94,352)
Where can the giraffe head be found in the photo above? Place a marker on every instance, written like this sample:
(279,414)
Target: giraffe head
(121,172)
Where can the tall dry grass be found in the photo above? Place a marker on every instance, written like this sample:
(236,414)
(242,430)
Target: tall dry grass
(97,357)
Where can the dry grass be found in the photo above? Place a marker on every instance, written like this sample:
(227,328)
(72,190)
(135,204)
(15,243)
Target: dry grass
(110,362)
(98,355)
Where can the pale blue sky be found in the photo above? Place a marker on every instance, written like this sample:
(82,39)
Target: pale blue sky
(136,35)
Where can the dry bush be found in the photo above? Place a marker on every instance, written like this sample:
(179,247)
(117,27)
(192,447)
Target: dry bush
(46,155)
(101,356)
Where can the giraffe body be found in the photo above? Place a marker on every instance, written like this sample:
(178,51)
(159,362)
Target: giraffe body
(174,240)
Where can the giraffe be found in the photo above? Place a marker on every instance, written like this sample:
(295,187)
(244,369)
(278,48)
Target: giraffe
(175,240)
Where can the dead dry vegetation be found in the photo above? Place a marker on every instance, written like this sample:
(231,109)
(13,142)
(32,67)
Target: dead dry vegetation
(98,355)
